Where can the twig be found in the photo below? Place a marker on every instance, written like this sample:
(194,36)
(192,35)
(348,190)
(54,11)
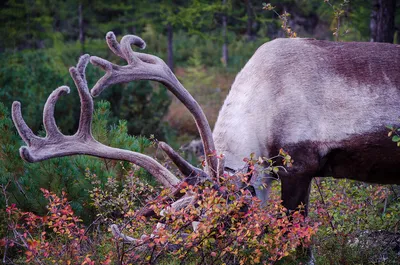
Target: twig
(4,191)
(338,12)
(384,206)
(17,234)
(284,18)
(323,202)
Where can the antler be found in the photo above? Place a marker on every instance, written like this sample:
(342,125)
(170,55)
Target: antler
(55,144)
(148,67)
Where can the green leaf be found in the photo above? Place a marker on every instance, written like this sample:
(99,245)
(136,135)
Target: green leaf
(396,138)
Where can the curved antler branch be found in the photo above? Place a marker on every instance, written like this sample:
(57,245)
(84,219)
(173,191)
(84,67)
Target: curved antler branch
(48,113)
(186,168)
(148,67)
(78,75)
(23,129)
(55,144)
(126,49)
(113,44)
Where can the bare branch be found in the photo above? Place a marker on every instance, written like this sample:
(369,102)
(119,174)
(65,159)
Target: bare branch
(179,204)
(118,235)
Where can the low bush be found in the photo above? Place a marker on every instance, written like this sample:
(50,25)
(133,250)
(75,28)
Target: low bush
(218,226)
(349,211)
(223,225)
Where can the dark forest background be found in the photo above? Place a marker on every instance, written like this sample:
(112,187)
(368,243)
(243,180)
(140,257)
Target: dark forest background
(205,42)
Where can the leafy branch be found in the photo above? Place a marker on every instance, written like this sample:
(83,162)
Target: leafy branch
(284,17)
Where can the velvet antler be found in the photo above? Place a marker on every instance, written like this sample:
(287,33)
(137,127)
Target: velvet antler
(55,144)
(148,67)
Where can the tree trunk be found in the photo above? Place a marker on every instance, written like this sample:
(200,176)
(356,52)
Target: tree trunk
(170,50)
(398,37)
(249,25)
(382,20)
(397,27)
(225,38)
(81,30)
(372,22)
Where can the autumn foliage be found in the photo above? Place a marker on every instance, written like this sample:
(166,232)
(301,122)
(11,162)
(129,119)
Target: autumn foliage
(221,228)
(56,238)
(222,224)
(225,225)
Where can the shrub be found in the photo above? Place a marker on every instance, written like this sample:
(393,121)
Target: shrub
(213,225)
(58,237)
(219,225)
(347,210)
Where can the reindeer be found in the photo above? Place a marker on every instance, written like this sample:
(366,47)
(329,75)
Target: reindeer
(326,103)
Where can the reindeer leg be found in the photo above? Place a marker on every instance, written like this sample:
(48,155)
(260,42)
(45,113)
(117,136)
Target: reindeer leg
(295,192)
(296,182)
(295,185)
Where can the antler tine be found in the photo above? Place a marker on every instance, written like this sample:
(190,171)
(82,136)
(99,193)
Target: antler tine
(119,235)
(49,121)
(106,80)
(113,44)
(81,66)
(126,49)
(183,166)
(78,75)
(24,131)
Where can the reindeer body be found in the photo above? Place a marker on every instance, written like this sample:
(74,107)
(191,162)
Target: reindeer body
(326,103)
